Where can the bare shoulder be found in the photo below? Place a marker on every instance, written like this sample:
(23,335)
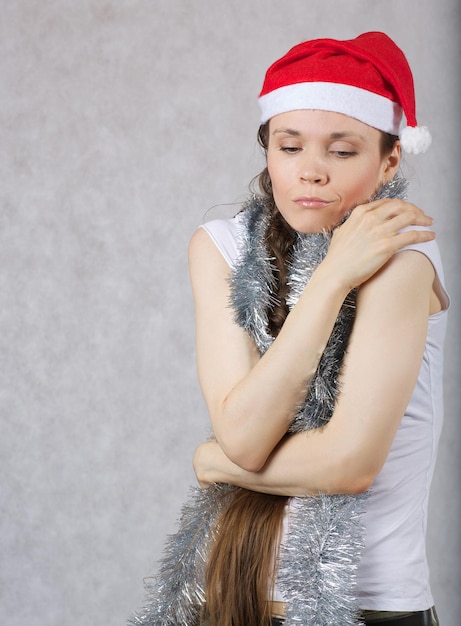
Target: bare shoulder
(201,245)
(404,283)
(206,263)
(402,270)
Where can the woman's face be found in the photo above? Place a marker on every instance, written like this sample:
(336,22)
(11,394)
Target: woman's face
(324,164)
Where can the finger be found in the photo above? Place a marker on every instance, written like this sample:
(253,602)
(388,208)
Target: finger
(406,219)
(411,237)
(409,213)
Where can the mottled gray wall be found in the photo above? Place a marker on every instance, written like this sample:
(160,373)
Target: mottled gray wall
(122,123)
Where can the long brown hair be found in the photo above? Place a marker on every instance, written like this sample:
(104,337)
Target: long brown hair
(242,562)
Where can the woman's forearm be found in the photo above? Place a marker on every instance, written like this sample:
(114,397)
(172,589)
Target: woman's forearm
(297,467)
(257,412)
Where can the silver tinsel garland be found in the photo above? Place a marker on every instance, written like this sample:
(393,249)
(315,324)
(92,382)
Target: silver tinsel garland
(321,551)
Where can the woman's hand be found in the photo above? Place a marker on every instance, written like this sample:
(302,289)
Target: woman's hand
(372,235)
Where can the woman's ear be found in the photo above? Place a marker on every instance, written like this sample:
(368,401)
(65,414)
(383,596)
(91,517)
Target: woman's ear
(392,162)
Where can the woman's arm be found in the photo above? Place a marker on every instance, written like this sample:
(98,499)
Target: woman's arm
(252,400)
(379,374)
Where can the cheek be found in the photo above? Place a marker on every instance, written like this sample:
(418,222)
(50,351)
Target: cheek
(272,169)
(276,184)
(281,177)
(363,185)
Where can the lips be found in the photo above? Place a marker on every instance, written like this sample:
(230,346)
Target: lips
(312,202)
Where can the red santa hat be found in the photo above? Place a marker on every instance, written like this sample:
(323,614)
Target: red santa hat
(367,78)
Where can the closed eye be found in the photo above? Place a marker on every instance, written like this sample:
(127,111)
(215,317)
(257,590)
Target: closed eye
(343,154)
(290,149)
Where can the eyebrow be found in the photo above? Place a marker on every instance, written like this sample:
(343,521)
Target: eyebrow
(286,131)
(336,135)
(346,134)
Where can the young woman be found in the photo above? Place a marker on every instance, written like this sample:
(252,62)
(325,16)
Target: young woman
(320,315)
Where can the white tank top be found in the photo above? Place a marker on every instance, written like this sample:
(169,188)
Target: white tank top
(393,573)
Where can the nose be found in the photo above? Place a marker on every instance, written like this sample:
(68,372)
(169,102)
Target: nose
(313,170)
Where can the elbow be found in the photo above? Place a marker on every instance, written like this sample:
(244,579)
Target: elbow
(350,484)
(242,450)
(252,464)
(245,458)
(357,484)
(249,465)
(241,443)
(353,475)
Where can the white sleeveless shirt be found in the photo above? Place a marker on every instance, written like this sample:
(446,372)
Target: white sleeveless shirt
(393,574)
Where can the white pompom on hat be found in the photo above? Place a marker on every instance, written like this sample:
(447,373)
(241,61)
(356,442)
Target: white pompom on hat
(367,78)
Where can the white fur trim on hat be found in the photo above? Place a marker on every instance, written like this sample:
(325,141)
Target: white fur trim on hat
(415,139)
(363,105)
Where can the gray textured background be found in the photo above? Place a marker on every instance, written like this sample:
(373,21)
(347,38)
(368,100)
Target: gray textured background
(122,124)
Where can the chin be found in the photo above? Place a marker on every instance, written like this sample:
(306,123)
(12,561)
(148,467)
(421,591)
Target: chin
(309,231)
(311,228)
(313,223)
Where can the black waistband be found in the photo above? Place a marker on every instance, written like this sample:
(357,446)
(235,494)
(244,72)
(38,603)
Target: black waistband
(418,618)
